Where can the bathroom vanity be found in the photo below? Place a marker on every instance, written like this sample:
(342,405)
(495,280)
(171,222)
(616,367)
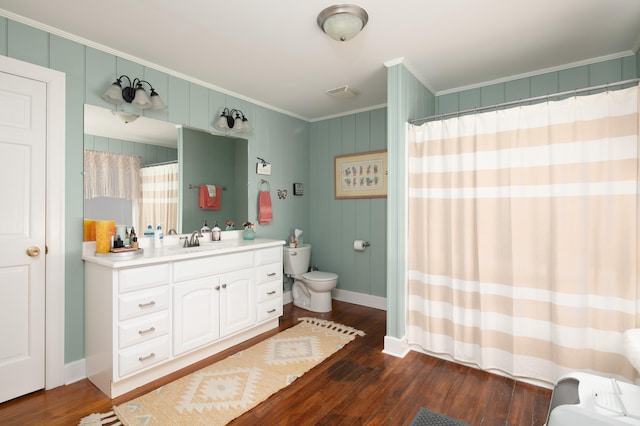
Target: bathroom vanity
(154,313)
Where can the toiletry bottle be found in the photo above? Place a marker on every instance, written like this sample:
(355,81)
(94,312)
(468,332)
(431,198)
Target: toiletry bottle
(159,237)
(216,233)
(133,238)
(205,231)
(149,233)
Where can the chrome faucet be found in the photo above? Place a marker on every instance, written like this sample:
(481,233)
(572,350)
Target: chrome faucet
(193,241)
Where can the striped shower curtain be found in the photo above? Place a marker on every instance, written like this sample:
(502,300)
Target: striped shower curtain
(159,197)
(523,236)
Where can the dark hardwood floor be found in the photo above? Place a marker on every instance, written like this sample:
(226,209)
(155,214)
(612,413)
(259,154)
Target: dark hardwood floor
(358,385)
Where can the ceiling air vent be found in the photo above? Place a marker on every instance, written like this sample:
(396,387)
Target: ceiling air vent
(342,92)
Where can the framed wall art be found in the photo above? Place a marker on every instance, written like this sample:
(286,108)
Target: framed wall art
(361,175)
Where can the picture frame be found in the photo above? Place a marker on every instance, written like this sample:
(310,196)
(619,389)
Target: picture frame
(361,175)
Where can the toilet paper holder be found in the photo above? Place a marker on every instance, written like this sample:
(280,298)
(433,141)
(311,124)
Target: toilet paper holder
(360,245)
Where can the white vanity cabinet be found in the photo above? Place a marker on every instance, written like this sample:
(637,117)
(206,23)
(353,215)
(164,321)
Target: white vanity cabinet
(212,305)
(269,283)
(149,317)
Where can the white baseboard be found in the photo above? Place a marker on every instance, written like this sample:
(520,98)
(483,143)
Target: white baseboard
(396,347)
(75,371)
(287,297)
(361,299)
(368,300)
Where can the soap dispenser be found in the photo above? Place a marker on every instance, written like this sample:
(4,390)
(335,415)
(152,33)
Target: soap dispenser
(205,231)
(216,233)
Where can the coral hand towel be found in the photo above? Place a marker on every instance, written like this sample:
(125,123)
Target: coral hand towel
(210,203)
(265,212)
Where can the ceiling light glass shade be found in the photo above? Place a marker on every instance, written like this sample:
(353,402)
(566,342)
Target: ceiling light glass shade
(343,22)
(141,100)
(246,127)
(226,121)
(221,123)
(125,117)
(113,94)
(238,126)
(157,103)
(133,93)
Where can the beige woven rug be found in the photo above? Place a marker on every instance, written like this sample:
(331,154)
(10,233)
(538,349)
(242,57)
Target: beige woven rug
(219,393)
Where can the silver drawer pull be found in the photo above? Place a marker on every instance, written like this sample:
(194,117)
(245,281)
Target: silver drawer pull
(147,331)
(269,293)
(271,274)
(147,305)
(144,358)
(270,311)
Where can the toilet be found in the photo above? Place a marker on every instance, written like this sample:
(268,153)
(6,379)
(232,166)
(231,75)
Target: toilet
(311,290)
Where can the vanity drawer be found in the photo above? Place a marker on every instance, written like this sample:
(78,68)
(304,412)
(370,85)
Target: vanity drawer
(269,255)
(270,272)
(213,265)
(142,329)
(268,291)
(143,277)
(131,305)
(143,355)
(269,309)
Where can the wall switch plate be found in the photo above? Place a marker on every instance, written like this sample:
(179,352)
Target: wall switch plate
(263,168)
(298,189)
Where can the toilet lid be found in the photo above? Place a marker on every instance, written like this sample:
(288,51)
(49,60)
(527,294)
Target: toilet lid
(320,276)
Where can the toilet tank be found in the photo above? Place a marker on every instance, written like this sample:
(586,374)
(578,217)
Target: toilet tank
(296,260)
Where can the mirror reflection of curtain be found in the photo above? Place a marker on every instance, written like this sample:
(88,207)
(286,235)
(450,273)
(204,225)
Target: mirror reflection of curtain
(159,197)
(111,186)
(108,174)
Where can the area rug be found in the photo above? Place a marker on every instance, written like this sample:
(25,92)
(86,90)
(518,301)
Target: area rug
(219,393)
(425,417)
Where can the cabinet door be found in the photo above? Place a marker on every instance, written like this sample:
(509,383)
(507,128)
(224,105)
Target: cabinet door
(237,301)
(196,314)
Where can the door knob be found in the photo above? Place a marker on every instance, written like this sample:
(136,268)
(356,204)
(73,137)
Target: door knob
(33,251)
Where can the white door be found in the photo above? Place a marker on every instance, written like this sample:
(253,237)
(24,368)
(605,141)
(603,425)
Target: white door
(22,235)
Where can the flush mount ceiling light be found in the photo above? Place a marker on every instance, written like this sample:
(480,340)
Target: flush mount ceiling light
(125,117)
(343,22)
(134,94)
(226,121)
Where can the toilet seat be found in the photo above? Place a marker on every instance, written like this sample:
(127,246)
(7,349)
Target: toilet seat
(319,276)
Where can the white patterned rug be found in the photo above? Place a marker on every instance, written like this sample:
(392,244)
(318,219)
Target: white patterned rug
(219,393)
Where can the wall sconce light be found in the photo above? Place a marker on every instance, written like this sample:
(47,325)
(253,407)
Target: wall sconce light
(134,94)
(342,22)
(227,121)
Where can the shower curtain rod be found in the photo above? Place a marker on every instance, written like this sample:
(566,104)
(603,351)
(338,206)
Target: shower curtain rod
(519,101)
(159,164)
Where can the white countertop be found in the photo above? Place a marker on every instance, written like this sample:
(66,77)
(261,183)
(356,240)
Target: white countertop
(172,250)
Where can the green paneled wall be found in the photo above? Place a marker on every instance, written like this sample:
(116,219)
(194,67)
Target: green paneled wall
(544,84)
(210,159)
(406,98)
(281,139)
(148,153)
(335,224)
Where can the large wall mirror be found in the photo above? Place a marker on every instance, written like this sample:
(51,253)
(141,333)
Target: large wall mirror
(173,163)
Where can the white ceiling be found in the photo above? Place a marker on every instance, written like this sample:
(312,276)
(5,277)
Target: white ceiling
(273,53)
